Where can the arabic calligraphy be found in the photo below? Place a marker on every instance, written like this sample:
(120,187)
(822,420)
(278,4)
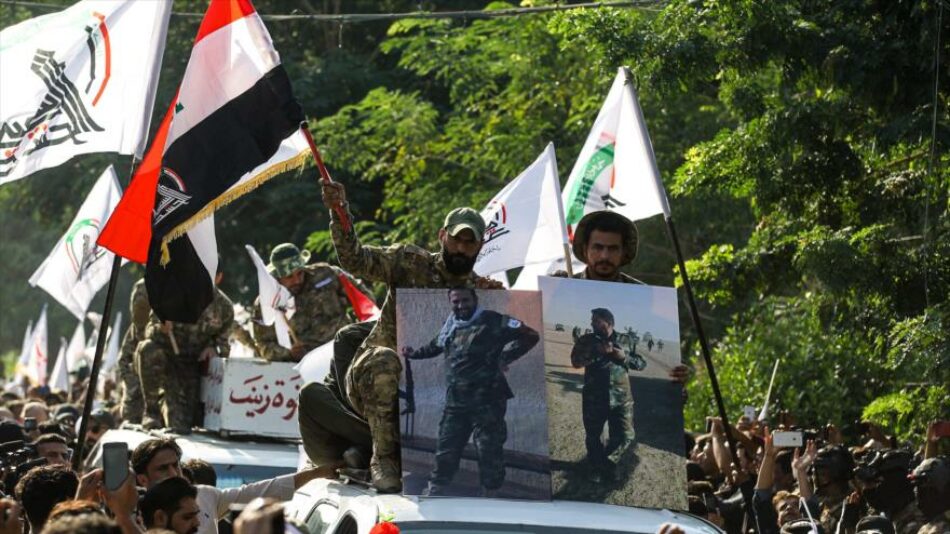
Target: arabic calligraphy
(267,394)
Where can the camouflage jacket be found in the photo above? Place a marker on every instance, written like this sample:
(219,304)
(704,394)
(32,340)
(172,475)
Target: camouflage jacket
(406,266)
(322,308)
(603,374)
(212,329)
(477,355)
(937,525)
(139,311)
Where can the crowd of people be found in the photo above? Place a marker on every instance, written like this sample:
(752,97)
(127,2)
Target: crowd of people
(823,484)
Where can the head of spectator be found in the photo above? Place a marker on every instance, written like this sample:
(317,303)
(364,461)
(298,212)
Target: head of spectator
(9,396)
(53,398)
(11,431)
(6,414)
(782,477)
(786,507)
(155,460)
(883,481)
(706,509)
(83,524)
(99,421)
(874,524)
(16,406)
(54,448)
(199,471)
(831,471)
(41,489)
(802,526)
(51,427)
(36,410)
(66,415)
(73,508)
(931,481)
(171,504)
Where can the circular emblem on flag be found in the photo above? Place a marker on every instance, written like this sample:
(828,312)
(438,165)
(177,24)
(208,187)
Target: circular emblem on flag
(81,245)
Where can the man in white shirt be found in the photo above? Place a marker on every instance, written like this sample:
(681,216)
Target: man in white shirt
(156,460)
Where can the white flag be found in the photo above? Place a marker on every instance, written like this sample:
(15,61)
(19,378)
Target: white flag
(79,81)
(59,378)
(39,352)
(76,349)
(112,351)
(523,223)
(275,300)
(315,365)
(24,358)
(77,267)
(616,169)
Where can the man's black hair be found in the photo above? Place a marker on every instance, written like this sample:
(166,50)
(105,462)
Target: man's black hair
(147,450)
(613,225)
(44,487)
(469,289)
(165,496)
(604,314)
(200,472)
(50,438)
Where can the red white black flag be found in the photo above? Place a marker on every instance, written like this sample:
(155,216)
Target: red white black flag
(218,140)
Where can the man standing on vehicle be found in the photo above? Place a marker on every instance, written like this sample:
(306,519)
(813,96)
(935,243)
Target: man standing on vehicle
(320,301)
(156,460)
(133,404)
(606,356)
(479,345)
(372,380)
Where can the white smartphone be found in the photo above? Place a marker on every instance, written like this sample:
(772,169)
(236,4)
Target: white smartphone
(787,439)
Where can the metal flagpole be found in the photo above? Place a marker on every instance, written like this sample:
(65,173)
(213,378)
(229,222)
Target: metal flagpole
(100,348)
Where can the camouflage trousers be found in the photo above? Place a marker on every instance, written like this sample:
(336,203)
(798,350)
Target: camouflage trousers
(328,429)
(132,403)
(171,384)
(597,411)
(372,387)
(486,424)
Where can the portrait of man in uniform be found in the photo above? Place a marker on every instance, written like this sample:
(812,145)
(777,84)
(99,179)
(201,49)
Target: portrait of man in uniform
(472,384)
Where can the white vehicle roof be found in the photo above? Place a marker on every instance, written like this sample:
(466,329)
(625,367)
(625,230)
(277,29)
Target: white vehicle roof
(366,507)
(263,457)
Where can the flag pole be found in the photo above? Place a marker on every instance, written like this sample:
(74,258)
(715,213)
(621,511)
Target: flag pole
(568,262)
(324,174)
(690,299)
(100,348)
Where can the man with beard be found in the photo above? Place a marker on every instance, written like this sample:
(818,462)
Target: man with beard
(373,378)
(479,345)
(606,356)
(171,505)
(320,303)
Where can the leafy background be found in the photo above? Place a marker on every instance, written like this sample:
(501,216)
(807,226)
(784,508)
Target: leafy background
(795,138)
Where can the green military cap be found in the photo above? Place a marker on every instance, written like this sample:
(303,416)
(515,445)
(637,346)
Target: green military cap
(464,218)
(286,259)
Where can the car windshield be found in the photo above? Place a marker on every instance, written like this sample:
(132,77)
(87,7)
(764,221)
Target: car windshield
(232,476)
(446,527)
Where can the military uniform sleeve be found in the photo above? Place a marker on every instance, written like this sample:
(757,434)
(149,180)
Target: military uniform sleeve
(221,336)
(369,262)
(266,339)
(520,339)
(429,350)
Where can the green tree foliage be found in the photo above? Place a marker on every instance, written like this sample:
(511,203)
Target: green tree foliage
(794,138)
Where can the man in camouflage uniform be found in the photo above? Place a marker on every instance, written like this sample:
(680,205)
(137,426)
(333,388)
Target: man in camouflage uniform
(372,380)
(479,345)
(931,481)
(168,361)
(319,299)
(885,487)
(606,356)
(133,405)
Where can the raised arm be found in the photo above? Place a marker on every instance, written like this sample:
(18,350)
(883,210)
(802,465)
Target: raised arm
(519,337)
(371,263)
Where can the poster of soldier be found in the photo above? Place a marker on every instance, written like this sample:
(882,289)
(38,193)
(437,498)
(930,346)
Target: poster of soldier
(616,419)
(473,416)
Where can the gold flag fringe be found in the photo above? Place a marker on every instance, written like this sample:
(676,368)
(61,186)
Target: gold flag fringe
(230,195)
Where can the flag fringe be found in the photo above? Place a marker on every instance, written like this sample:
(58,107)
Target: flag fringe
(229,196)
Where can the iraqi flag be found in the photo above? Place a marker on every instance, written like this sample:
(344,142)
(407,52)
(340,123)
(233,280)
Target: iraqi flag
(220,138)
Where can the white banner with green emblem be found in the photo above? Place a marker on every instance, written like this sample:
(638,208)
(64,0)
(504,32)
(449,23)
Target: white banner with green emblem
(616,169)
(78,81)
(77,268)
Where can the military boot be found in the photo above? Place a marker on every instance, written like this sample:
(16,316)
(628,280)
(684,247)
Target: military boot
(385,475)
